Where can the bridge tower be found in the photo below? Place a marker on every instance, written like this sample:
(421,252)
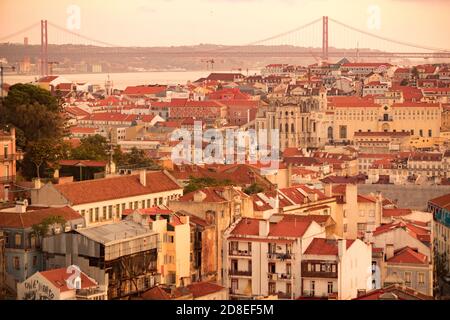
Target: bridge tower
(325,39)
(44,48)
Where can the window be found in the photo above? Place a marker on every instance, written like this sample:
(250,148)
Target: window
(234,285)
(317,267)
(104,213)
(91,215)
(330,287)
(149,203)
(17,263)
(97,211)
(343,132)
(272,288)
(136,205)
(110,212)
(288,268)
(312,287)
(32,241)
(160,200)
(18,239)
(421,278)
(288,289)
(143,203)
(430,133)
(130,205)
(408,278)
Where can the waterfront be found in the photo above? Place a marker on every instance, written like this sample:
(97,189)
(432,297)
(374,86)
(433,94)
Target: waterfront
(122,80)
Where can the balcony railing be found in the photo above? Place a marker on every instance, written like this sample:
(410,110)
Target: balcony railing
(240,253)
(9,157)
(240,273)
(279,276)
(279,256)
(7,179)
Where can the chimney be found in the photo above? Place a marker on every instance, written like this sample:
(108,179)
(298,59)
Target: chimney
(143,177)
(389,251)
(199,196)
(328,190)
(342,247)
(264,226)
(21,206)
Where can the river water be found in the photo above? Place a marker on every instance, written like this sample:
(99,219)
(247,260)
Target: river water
(122,80)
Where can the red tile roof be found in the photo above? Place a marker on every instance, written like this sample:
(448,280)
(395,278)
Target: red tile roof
(402,293)
(409,256)
(420,234)
(59,278)
(144,90)
(30,218)
(292,227)
(326,247)
(116,188)
(201,289)
(83,163)
(396,212)
(352,102)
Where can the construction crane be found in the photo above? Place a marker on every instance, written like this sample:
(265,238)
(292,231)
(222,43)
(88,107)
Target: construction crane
(209,62)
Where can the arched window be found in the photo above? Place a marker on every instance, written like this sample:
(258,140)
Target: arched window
(287,127)
(292,128)
(330,133)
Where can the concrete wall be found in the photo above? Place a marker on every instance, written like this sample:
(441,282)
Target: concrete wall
(408,196)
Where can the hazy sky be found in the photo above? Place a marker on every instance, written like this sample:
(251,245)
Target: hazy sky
(184,22)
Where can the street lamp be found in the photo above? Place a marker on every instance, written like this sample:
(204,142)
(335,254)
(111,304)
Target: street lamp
(1,76)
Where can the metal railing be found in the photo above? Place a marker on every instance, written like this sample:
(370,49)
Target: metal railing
(7,179)
(241,253)
(240,273)
(279,256)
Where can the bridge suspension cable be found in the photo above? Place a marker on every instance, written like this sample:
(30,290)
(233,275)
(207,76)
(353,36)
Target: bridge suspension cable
(284,33)
(106,44)
(12,35)
(404,43)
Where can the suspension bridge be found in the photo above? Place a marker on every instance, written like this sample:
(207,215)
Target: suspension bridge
(323,38)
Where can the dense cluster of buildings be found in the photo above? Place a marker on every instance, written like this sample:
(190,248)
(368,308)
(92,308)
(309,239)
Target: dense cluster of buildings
(356,208)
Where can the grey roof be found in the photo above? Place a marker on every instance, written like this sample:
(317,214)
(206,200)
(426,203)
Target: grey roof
(115,232)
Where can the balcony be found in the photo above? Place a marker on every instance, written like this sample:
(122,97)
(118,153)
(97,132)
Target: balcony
(237,273)
(9,157)
(7,179)
(279,276)
(240,253)
(279,256)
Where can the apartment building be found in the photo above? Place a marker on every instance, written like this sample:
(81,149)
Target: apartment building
(174,243)
(8,157)
(263,257)
(23,255)
(54,285)
(356,215)
(219,207)
(440,208)
(336,269)
(121,256)
(105,200)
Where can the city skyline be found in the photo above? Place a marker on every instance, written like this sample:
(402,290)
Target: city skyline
(208,20)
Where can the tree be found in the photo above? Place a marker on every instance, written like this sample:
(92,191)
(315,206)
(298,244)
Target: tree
(34,112)
(200,183)
(42,229)
(92,148)
(404,82)
(415,73)
(254,189)
(134,159)
(42,152)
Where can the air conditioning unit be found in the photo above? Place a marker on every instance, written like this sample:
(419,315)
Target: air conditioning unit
(67,229)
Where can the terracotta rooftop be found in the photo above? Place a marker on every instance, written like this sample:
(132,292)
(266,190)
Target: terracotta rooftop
(409,256)
(116,188)
(33,217)
(326,247)
(59,278)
